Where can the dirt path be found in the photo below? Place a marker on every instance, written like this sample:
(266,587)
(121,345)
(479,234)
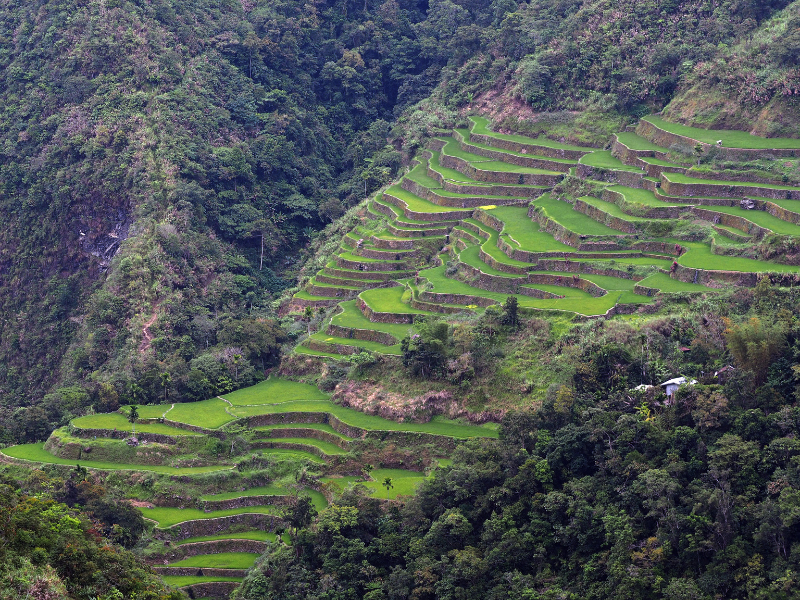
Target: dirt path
(147,337)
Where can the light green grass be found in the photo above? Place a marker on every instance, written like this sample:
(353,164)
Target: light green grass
(404,482)
(636,142)
(361,420)
(259,536)
(613,210)
(291,454)
(471,256)
(328,448)
(351,316)
(639,196)
(304,295)
(563,214)
(790,205)
(417,204)
(389,300)
(699,256)
(730,139)
(666,284)
(167,517)
(489,245)
(394,349)
(308,351)
(221,560)
(346,255)
(604,160)
(317,426)
(480,125)
(660,163)
(268,490)
(681,178)
(636,260)
(453,148)
(209,414)
(180,581)
(608,282)
(37,453)
(509,166)
(760,218)
(120,422)
(526,233)
(274,390)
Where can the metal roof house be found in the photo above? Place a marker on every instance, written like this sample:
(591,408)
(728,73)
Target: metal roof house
(673,384)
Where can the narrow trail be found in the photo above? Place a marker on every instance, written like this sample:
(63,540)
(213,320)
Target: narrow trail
(148,338)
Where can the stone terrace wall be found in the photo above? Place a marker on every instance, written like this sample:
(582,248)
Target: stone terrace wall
(780,212)
(726,191)
(573,282)
(371,267)
(426,216)
(331,347)
(694,201)
(176,553)
(666,139)
(380,317)
(212,589)
(715,278)
(116,434)
(569,266)
(492,190)
(502,177)
(417,233)
(534,162)
(412,438)
(464,299)
(642,210)
(303,432)
(291,446)
(605,218)
(368,335)
(626,178)
(218,525)
(440,200)
(391,244)
(732,221)
(522,147)
(331,291)
(353,274)
(199,571)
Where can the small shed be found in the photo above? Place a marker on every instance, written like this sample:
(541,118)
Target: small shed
(724,373)
(673,384)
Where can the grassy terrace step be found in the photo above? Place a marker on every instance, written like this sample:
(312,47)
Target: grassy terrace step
(490,245)
(221,560)
(120,422)
(301,426)
(351,316)
(404,482)
(604,160)
(520,231)
(260,536)
(333,287)
(637,142)
(612,209)
(275,389)
(181,581)
(668,285)
(389,300)
(634,260)
(417,204)
(699,256)
(364,259)
(730,138)
(480,125)
(341,281)
(326,447)
(37,453)
(459,178)
(166,517)
(304,295)
(471,256)
(662,163)
(681,178)
(300,349)
(760,218)
(209,414)
(364,344)
(367,422)
(641,196)
(400,220)
(452,147)
(267,490)
(563,214)
(432,184)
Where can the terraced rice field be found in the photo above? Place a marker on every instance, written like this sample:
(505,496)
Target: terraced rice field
(483,253)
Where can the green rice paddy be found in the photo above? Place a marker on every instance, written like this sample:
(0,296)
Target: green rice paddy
(259,536)
(636,142)
(526,233)
(273,390)
(316,426)
(681,178)
(730,139)
(389,300)
(480,125)
(180,581)
(760,218)
(167,517)
(666,284)
(351,316)
(563,214)
(699,256)
(604,160)
(120,422)
(221,560)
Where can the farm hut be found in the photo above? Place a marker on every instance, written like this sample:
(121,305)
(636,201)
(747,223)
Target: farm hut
(672,385)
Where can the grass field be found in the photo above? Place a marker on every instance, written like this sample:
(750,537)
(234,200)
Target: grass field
(167,517)
(760,218)
(370,346)
(680,178)
(120,422)
(222,560)
(206,413)
(636,142)
(185,580)
(370,422)
(666,284)
(351,316)
(37,453)
(480,125)
(730,139)
(562,213)
(699,256)
(525,232)
(260,536)
(417,204)
(389,300)
(268,490)
(273,390)
(604,160)
(316,426)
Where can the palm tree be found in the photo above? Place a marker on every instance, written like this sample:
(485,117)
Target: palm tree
(132,416)
(388,484)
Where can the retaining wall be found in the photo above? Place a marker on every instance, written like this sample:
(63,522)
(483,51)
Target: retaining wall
(666,139)
(417,233)
(442,217)
(726,191)
(371,267)
(780,212)
(642,210)
(199,571)
(176,553)
(391,244)
(368,335)
(339,292)
(382,275)
(215,526)
(534,162)
(732,221)
(116,434)
(331,347)
(458,202)
(211,589)
(626,178)
(502,177)
(303,432)
(605,218)
(491,190)
(524,147)
(380,317)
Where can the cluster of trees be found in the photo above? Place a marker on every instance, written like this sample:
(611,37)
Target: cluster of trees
(51,549)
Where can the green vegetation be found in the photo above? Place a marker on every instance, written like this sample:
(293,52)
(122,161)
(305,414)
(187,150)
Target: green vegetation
(480,125)
(389,300)
(261,536)
(760,218)
(180,581)
(167,517)
(681,178)
(635,142)
(273,390)
(603,159)
(699,256)
(525,233)
(666,284)
(37,453)
(119,422)
(563,214)
(351,316)
(222,560)
(730,139)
